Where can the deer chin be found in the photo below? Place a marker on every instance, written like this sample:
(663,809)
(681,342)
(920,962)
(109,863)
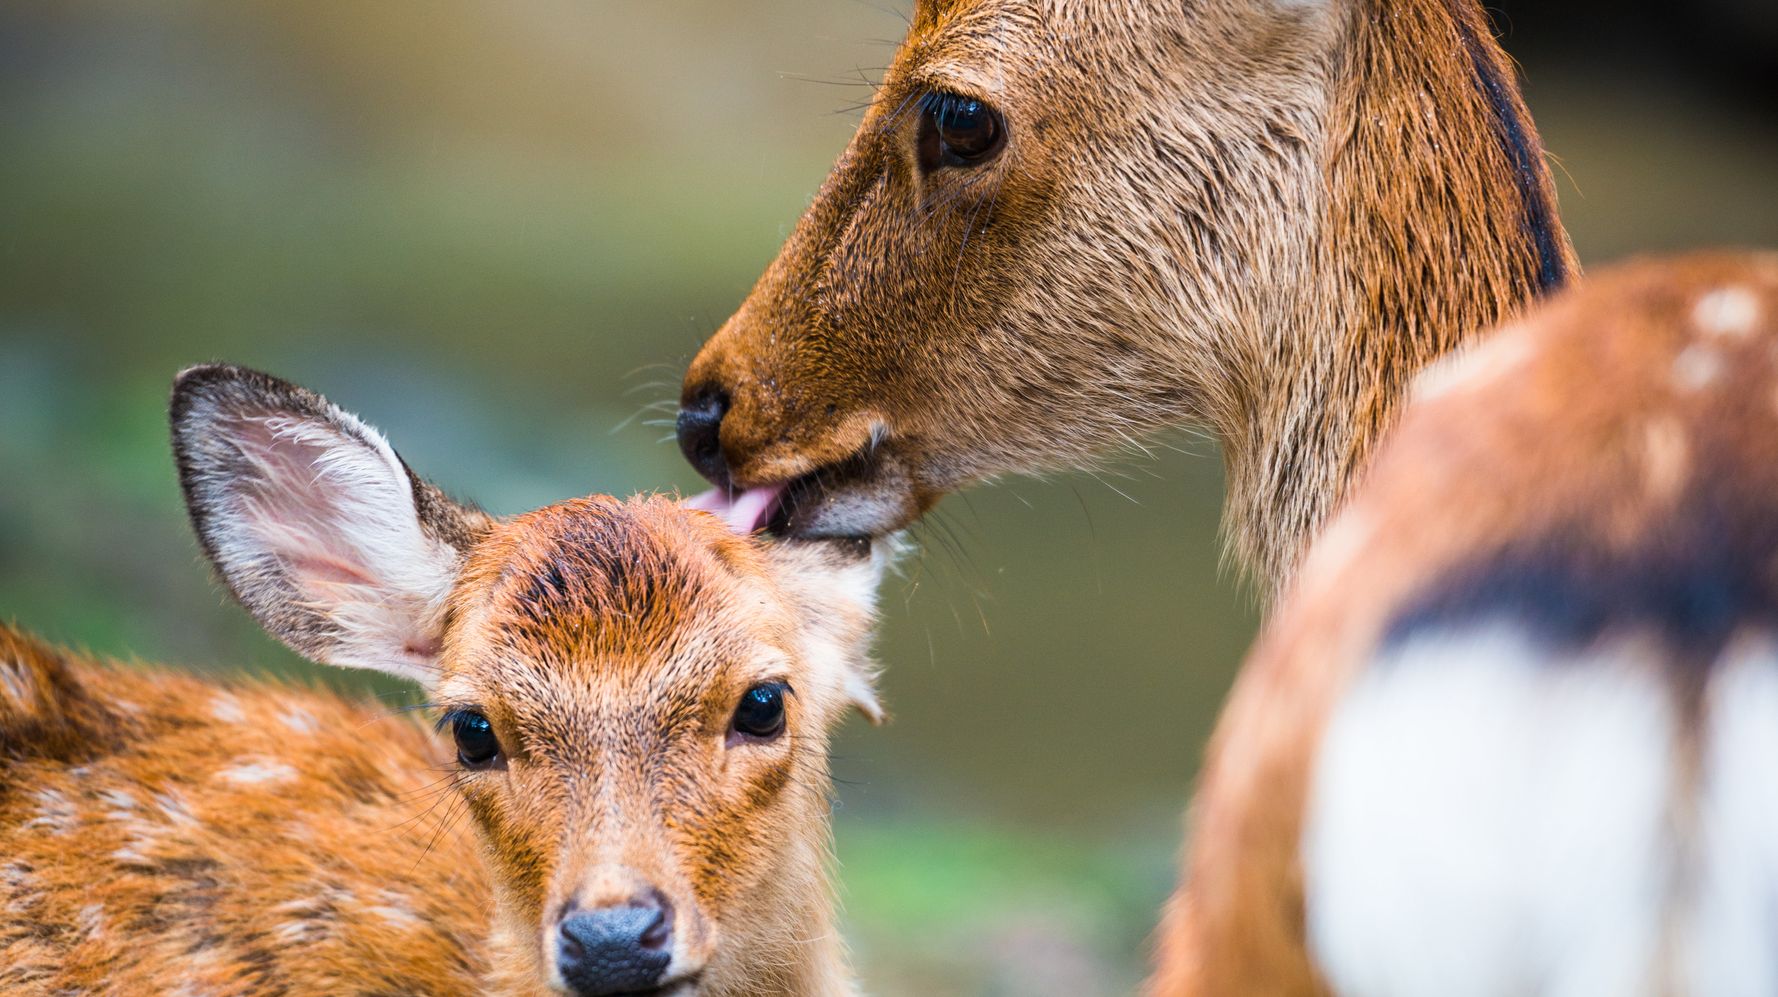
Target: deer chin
(857,500)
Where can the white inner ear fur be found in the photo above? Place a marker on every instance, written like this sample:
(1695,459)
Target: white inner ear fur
(330,507)
(838,597)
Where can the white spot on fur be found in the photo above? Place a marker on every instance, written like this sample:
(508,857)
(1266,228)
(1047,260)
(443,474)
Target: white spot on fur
(1666,458)
(255,773)
(16,876)
(17,686)
(1729,312)
(91,919)
(299,719)
(132,854)
(291,932)
(309,915)
(121,802)
(393,909)
(227,709)
(56,813)
(1696,367)
(176,811)
(1473,366)
(1489,818)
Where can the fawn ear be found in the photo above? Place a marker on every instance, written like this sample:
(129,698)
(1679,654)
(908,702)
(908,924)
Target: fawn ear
(314,523)
(835,587)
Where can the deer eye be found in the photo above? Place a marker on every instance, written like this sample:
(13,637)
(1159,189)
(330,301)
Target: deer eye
(760,714)
(477,748)
(958,131)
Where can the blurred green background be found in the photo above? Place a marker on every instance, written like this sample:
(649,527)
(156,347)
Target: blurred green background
(499,230)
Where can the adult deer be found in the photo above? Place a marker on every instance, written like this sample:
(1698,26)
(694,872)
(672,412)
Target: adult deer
(1514,729)
(639,698)
(1064,224)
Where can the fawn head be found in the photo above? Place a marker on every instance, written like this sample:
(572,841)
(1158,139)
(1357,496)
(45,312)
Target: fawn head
(1061,225)
(639,697)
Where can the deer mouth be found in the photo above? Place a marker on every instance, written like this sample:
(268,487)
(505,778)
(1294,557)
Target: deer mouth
(854,500)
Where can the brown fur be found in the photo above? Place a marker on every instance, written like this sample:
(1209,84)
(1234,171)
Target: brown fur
(142,857)
(1257,215)
(1627,421)
(163,833)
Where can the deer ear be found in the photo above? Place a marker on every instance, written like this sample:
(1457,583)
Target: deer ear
(314,523)
(835,588)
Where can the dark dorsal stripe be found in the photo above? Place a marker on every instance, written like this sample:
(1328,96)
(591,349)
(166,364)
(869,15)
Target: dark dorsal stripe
(1519,142)
(1694,578)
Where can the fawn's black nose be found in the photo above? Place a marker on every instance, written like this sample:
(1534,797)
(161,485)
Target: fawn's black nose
(615,950)
(699,428)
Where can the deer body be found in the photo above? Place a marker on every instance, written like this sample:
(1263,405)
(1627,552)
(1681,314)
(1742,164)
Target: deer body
(1063,225)
(1511,731)
(639,699)
(163,833)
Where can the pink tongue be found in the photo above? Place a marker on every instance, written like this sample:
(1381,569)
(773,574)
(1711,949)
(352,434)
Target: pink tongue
(745,512)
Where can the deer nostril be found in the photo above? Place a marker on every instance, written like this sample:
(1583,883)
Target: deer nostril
(700,438)
(659,934)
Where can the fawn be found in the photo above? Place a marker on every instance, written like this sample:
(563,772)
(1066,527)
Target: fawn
(1062,225)
(639,700)
(1514,728)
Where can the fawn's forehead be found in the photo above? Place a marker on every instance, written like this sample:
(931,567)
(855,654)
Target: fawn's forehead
(603,589)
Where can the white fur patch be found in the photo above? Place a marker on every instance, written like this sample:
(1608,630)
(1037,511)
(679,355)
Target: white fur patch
(256,773)
(1696,367)
(227,709)
(1727,311)
(299,720)
(838,604)
(56,813)
(1469,367)
(1486,819)
(17,686)
(1731,945)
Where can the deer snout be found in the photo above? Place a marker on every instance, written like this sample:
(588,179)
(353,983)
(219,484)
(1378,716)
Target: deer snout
(615,950)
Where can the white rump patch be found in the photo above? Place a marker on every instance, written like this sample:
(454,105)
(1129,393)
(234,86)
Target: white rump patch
(1489,818)
(1731,946)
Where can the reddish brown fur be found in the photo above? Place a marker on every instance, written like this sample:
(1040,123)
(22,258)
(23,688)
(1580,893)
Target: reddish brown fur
(1618,411)
(1259,216)
(134,863)
(163,832)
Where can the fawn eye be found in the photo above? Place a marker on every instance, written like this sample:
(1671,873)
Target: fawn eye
(476,745)
(761,713)
(958,131)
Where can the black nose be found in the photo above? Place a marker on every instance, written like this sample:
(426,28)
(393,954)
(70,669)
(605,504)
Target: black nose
(615,950)
(699,428)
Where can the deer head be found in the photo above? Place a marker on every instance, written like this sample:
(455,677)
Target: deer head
(1062,225)
(640,698)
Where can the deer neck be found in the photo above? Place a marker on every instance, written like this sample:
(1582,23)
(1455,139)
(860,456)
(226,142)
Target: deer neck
(1436,221)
